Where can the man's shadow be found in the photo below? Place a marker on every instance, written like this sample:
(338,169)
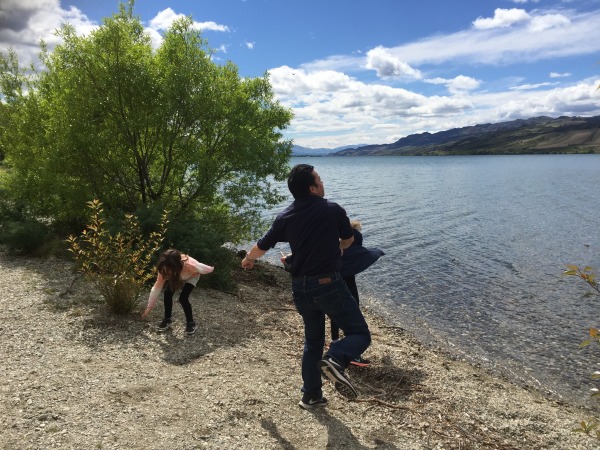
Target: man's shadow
(338,434)
(271,427)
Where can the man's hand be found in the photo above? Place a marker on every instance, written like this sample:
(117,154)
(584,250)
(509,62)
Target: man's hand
(248,261)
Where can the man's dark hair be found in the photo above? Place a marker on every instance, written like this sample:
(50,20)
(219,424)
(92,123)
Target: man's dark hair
(300,180)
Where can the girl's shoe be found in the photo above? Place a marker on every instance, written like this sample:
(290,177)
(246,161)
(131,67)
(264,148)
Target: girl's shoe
(191,327)
(360,362)
(164,325)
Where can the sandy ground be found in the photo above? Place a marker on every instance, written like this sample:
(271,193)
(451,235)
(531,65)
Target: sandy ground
(76,377)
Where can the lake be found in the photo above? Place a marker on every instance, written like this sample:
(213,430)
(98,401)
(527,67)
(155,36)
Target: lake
(475,249)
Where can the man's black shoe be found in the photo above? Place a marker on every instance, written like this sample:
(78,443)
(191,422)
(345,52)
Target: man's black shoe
(332,370)
(309,402)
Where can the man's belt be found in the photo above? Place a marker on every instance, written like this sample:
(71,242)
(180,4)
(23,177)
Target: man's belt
(323,278)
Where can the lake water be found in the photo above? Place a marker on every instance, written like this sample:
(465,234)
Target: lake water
(475,249)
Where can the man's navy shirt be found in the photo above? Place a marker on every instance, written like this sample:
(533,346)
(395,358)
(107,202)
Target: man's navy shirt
(313,226)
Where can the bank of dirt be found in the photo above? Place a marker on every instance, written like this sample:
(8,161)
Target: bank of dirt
(76,377)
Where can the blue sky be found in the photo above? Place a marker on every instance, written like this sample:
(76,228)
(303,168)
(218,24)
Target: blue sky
(371,72)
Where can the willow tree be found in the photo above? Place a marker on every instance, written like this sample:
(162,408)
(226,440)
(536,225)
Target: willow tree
(114,119)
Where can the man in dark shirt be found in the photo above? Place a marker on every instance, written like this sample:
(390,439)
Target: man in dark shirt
(318,231)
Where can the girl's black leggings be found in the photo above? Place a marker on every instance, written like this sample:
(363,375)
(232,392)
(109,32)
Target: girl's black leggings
(184,299)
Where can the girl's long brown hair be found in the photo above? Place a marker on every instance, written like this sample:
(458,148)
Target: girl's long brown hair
(170,266)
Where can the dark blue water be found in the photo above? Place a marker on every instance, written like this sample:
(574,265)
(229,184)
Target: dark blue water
(475,249)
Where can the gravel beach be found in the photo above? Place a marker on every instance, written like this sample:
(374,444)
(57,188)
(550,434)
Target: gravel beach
(76,377)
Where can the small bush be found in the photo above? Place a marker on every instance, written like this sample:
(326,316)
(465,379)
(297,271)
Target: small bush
(118,263)
(24,235)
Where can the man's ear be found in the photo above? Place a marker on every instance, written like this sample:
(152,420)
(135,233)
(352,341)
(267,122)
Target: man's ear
(313,189)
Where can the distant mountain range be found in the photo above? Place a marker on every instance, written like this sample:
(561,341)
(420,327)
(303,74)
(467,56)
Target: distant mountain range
(538,135)
(298,150)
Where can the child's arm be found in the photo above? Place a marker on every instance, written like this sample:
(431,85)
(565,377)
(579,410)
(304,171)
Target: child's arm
(198,267)
(154,292)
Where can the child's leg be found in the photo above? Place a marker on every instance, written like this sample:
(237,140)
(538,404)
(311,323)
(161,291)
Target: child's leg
(168,300)
(351,283)
(186,290)
(335,331)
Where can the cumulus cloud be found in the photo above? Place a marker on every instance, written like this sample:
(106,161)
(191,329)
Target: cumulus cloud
(457,85)
(389,66)
(23,23)
(350,111)
(502,18)
(568,101)
(164,19)
(507,17)
(548,21)
(334,102)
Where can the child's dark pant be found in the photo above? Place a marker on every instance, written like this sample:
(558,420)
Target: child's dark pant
(351,283)
(183,299)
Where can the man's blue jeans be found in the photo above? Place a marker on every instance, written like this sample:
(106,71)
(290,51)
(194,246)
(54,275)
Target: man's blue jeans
(314,299)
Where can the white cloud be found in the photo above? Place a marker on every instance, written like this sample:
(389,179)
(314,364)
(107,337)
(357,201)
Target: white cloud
(389,66)
(560,75)
(457,85)
(495,46)
(574,100)
(529,87)
(24,23)
(164,19)
(249,45)
(502,18)
(333,107)
(349,111)
(542,23)
(333,102)
(503,46)
(156,38)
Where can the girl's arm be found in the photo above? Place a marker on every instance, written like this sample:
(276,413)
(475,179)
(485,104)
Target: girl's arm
(154,292)
(197,267)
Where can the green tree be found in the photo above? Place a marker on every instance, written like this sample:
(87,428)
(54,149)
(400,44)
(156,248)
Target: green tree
(112,118)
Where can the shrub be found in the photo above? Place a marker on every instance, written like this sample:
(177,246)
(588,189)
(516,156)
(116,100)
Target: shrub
(118,263)
(587,274)
(22,234)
